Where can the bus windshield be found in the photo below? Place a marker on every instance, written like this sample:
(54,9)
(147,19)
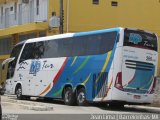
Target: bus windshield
(16,50)
(140,39)
(12,64)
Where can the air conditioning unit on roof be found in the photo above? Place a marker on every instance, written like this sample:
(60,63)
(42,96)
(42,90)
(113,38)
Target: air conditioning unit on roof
(25,1)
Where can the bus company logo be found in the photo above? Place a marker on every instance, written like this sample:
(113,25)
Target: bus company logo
(35,67)
(135,38)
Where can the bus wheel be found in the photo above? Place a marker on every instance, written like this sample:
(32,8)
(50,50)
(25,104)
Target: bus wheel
(69,97)
(19,93)
(81,97)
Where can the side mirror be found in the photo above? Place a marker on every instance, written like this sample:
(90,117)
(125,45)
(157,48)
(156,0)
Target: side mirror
(8,60)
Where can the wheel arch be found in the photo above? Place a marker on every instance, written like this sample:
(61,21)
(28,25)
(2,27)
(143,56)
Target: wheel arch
(78,87)
(65,86)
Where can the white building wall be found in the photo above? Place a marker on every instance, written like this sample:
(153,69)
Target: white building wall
(43,6)
(27,14)
(1,18)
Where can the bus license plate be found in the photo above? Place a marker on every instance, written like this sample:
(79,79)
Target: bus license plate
(137,96)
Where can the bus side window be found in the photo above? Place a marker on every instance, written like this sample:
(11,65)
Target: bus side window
(28,52)
(38,50)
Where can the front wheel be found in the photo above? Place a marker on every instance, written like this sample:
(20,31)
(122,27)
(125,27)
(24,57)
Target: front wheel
(19,93)
(81,97)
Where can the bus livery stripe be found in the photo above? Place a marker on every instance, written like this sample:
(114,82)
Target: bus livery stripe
(75,58)
(60,71)
(47,88)
(105,65)
(85,81)
(58,92)
(82,65)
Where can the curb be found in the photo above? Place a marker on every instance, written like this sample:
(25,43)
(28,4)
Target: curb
(29,105)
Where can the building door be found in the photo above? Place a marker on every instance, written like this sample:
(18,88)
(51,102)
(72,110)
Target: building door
(32,10)
(20,14)
(6,17)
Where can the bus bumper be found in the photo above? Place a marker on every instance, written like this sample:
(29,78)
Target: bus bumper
(132,98)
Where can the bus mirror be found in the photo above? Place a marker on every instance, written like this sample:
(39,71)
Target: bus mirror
(8,61)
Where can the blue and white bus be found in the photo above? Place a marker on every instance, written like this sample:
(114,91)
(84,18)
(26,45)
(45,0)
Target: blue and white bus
(116,65)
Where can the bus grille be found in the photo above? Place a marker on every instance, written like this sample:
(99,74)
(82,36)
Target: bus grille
(103,90)
(100,87)
(139,65)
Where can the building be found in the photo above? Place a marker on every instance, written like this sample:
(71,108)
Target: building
(23,19)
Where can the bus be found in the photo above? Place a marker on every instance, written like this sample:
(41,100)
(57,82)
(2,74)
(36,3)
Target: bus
(114,66)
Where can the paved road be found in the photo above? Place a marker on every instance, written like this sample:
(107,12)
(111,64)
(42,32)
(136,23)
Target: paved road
(40,110)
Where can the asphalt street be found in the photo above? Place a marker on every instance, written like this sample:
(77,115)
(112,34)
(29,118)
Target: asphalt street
(38,109)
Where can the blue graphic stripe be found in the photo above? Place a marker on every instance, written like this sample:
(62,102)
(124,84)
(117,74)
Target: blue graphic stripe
(96,32)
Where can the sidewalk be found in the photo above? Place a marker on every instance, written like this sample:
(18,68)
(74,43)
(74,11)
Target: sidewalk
(28,105)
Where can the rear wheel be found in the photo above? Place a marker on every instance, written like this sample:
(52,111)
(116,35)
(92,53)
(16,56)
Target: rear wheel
(69,97)
(81,97)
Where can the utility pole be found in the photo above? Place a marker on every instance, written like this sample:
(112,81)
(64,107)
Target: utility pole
(61,17)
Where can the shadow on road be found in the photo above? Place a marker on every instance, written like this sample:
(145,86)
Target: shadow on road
(103,106)
(126,108)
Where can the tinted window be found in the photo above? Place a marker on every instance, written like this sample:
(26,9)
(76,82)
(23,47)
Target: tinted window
(140,39)
(68,47)
(12,65)
(16,50)
(27,52)
(79,47)
(37,50)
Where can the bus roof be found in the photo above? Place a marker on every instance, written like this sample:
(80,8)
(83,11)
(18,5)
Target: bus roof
(66,35)
(50,37)
(72,35)
(97,31)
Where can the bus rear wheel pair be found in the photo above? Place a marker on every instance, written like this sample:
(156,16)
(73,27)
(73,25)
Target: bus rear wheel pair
(70,98)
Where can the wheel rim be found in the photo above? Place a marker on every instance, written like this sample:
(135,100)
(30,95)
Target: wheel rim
(19,92)
(67,96)
(81,97)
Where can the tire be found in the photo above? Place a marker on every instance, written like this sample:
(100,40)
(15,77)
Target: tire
(81,97)
(69,97)
(19,93)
